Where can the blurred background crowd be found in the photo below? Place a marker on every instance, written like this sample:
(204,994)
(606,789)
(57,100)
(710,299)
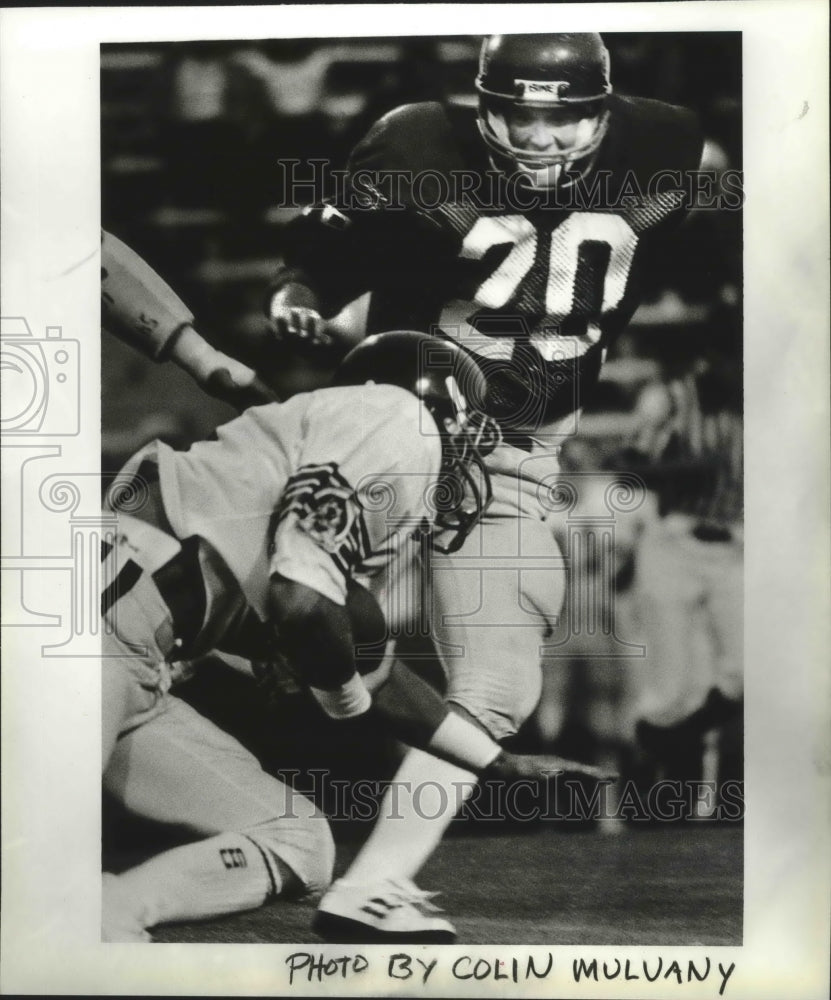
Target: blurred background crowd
(191,143)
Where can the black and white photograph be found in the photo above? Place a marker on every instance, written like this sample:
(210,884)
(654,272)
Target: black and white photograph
(503,197)
(415,501)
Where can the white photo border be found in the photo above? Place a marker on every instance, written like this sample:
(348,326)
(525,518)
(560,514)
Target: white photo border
(50,168)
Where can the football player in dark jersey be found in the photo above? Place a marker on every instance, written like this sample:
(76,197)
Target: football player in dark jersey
(520,230)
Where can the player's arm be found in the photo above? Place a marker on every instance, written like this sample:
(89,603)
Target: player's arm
(317,637)
(323,268)
(337,251)
(334,255)
(415,713)
(412,711)
(140,308)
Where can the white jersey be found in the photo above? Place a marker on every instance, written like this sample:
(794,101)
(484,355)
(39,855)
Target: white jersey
(318,489)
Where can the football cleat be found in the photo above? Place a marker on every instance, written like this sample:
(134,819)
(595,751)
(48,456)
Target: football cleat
(393,910)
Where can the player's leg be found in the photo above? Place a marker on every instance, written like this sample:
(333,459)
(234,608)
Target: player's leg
(493,607)
(137,637)
(257,838)
(375,900)
(726,606)
(490,617)
(490,613)
(680,666)
(670,593)
(118,702)
(723,576)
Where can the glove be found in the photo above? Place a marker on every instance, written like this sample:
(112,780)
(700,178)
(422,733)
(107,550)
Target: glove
(541,767)
(295,314)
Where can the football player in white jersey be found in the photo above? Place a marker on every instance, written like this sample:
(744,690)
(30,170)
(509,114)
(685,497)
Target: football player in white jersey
(260,543)
(242,543)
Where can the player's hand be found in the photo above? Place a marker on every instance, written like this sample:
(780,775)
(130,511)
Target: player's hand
(220,375)
(294,314)
(543,767)
(238,389)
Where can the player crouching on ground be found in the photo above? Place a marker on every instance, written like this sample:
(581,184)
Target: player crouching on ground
(249,544)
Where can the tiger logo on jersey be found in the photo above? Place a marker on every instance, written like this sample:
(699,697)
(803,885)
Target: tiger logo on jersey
(324,504)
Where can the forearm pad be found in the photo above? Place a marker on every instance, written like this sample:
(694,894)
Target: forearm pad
(137,306)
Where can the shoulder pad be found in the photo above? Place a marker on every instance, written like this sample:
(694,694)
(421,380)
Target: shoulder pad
(655,136)
(412,137)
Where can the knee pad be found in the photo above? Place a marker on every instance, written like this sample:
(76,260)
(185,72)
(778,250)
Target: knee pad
(301,840)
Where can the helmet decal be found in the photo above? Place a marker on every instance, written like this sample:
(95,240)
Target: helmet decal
(542,91)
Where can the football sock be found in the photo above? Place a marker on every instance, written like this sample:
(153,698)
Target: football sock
(416,810)
(209,878)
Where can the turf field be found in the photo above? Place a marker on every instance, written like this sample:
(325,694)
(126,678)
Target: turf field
(679,885)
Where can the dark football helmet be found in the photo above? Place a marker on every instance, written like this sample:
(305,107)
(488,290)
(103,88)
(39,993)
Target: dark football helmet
(564,77)
(453,389)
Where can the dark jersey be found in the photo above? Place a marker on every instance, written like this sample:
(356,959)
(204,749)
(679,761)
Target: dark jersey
(536,285)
